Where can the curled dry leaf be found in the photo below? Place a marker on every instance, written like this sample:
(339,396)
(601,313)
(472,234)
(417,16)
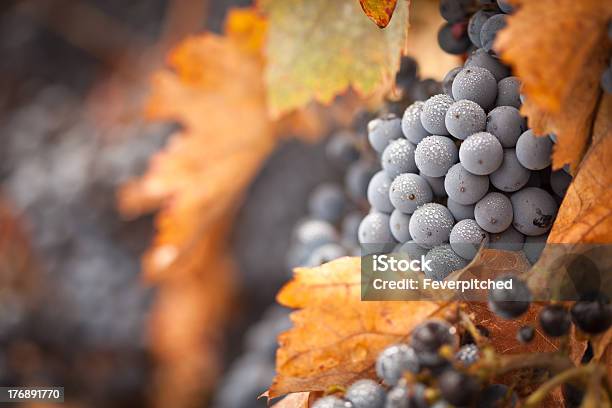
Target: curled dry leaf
(379,11)
(316,49)
(336,337)
(559,49)
(586,213)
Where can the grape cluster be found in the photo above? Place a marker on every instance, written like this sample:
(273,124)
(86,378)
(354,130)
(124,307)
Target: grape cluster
(431,370)
(462,168)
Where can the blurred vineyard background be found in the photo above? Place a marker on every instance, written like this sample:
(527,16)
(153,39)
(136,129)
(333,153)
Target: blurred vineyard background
(73,305)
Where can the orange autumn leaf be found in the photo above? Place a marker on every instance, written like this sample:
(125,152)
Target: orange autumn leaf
(336,337)
(214,89)
(559,64)
(379,11)
(586,213)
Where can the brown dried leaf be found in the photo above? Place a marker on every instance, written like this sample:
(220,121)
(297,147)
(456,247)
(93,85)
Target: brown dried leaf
(379,11)
(503,332)
(586,213)
(560,64)
(336,336)
(295,400)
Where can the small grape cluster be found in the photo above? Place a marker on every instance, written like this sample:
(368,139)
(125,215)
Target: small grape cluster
(462,169)
(431,370)
(442,365)
(471,24)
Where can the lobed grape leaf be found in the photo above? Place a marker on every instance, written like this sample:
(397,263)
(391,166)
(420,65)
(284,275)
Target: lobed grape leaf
(317,49)
(560,64)
(379,11)
(335,336)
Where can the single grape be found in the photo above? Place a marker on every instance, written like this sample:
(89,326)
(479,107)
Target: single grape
(534,211)
(475,25)
(394,361)
(430,225)
(413,250)
(466,238)
(433,113)
(432,334)
(447,82)
(358,178)
(331,402)
(468,354)
(559,182)
(481,153)
(434,155)
(398,157)
(411,123)
(458,388)
(436,184)
(511,175)
(328,202)
(533,152)
(399,223)
(313,232)
(497,395)
(464,118)
(451,42)
(475,84)
(464,187)
(506,124)
(407,395)
(378,192)
(374,229)
(525,334)
(555,320)
(325,253)
(507,240)
(494,212)
(409,191)
(442,261)
(509,92)
(382,130)
(342,149)
(534,246)
(454,11)
(505,6)
(592,316)
(512,302)
(489,30)
(481,58)
(460,211)
(365,394)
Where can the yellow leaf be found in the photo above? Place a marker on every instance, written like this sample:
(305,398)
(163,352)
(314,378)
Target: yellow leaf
(379,11)
(560,64)
(316,49)
(336,337)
